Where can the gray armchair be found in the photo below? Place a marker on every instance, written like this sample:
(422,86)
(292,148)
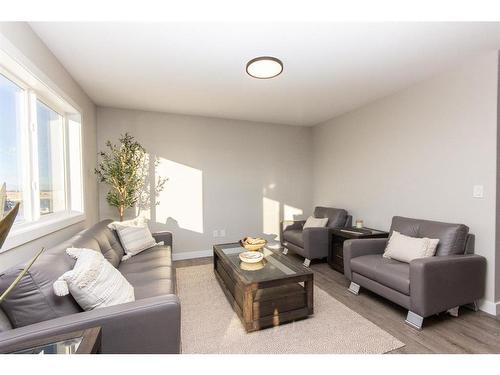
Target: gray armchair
(313,243)
(426,286)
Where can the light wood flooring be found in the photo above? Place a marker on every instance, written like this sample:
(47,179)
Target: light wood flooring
(471,332)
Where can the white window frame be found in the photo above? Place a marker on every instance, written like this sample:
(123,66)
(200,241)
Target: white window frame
(34,225)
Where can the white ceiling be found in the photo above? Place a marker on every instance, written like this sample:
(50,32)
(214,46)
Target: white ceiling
(199,68)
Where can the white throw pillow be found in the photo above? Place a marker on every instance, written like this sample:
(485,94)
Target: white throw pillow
(139,221)
(405,249)
(93,282)
(134,235)
(313,222)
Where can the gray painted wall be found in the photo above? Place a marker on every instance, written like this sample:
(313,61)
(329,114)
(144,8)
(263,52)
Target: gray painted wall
(497,242)
(418,153)
(35,54)
(224,174)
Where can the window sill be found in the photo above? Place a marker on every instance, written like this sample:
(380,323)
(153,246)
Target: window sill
(28,232)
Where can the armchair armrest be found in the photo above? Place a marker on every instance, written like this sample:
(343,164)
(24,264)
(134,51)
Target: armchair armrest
(442,282)
(150,325)
(164,236)
(290,224)
(316,241)
(357,248)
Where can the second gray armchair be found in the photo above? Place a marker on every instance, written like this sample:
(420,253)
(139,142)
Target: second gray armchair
(313,243)
(425,286)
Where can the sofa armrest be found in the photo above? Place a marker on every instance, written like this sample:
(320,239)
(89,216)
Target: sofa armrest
(316,241)
(440,283)
(364,246)
(150,325)
(164,236)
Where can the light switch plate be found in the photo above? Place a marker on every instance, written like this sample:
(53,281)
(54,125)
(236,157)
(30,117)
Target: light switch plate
(222,233)
(216,233)
(478,191)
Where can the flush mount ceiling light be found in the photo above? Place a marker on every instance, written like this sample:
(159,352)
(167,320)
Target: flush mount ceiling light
(264,67)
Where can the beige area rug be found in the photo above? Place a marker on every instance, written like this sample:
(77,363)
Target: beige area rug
(209,324)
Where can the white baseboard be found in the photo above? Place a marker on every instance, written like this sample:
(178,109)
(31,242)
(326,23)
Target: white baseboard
(492,308)
(192,254)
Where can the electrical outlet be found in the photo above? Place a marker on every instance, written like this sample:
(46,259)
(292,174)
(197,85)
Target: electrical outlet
(216,233)
(222,233)
(478,191)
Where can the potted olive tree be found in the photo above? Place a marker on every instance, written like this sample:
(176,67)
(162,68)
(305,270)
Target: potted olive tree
(125,168)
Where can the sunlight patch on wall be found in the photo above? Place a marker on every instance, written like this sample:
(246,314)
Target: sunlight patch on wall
(182,198)
(270,216)
(291,213)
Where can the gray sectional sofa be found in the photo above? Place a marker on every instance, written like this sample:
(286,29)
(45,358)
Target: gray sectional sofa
(150,324)
(426,286)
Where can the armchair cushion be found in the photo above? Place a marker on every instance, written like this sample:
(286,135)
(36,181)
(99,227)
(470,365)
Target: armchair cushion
(357,248)
(388,272)
(337,217)
(452,237)
(294,236)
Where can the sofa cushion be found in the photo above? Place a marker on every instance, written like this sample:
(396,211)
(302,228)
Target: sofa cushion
(388,272)
(100,237)
(452,237)
(150,272)
(154,256)
(33,299)
(337,217)
(294,236)
(4,322)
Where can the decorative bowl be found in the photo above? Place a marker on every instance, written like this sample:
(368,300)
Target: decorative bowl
(251,256)
(252,266)
(253,247)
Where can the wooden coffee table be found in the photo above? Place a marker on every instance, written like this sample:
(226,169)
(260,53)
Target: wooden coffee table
(274,291)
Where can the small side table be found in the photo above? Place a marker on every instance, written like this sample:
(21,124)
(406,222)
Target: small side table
(336,253)
(87,341)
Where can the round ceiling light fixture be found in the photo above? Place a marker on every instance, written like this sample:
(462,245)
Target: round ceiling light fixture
(264,67)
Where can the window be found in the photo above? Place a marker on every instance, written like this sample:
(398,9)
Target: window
(50,138)
(11,103)
(37,131)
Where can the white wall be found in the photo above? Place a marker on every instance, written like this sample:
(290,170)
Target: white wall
(497,233)
(32,53)
(224,174)
(418,153)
